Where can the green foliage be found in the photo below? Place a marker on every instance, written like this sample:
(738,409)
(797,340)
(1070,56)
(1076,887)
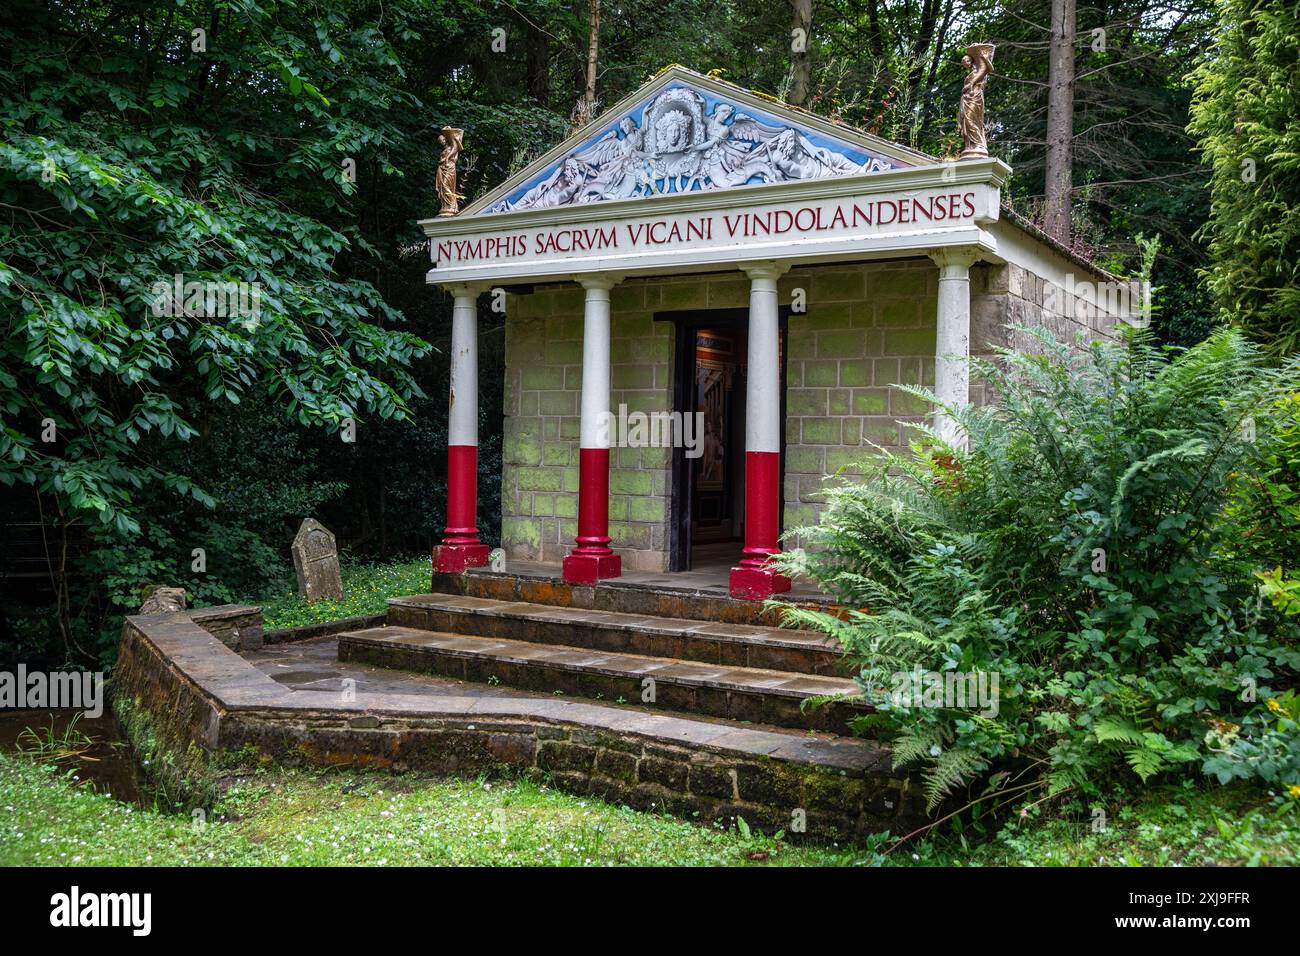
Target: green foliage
(1246,115)
(1185,824)
(140,158)
(48,744)
(1266,504)
(1266,748)
(130,170)
(1081,549)
(275,817)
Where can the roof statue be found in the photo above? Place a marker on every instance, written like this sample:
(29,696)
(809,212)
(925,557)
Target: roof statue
(451,140)
(979,64)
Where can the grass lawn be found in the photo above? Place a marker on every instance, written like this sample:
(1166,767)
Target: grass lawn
(276,817)
(365,589)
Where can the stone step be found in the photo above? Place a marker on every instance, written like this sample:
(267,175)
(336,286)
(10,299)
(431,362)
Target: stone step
(707,642)
(735,693)
(659,595)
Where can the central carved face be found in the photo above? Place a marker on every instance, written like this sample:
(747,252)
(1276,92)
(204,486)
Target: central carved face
(673,131)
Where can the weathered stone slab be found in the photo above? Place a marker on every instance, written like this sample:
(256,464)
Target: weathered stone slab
(316,559)
(735,645)
(163,600)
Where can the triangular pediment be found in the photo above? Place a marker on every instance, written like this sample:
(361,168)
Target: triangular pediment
(684,132)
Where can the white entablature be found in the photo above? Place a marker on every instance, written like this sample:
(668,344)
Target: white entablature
(691,173)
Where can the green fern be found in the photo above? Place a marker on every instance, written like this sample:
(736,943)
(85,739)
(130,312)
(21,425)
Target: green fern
(1117,729)
(953,768)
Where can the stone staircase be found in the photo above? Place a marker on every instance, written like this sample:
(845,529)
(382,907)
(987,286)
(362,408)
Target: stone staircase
(692,703)
(750,673)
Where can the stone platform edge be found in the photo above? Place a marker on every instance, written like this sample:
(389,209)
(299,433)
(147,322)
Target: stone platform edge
(622,596)
(198,692)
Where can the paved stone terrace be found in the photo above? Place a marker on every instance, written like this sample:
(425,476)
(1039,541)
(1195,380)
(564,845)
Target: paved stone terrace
(710,577)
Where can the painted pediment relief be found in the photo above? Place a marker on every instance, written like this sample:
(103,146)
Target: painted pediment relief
(686,138)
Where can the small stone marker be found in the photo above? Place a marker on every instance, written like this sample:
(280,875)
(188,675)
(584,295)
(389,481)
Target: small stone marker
(316,559)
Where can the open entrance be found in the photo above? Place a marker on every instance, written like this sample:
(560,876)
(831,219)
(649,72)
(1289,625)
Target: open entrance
(707,518)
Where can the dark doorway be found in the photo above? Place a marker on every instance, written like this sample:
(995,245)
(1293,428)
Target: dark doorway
(707,518)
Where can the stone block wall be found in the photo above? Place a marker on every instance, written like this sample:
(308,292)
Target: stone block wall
(1010,295)
(539,490)
(867,329)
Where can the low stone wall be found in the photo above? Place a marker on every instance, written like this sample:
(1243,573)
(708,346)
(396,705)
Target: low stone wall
(201,700)
(238,626)
(621,768)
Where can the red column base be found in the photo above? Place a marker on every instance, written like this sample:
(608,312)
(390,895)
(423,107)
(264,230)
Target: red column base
(757,584)
(590,568)
(455,558)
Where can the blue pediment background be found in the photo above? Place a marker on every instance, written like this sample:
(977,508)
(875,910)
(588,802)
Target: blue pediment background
(685,138)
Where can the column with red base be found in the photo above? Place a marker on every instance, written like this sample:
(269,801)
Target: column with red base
(592,559)
(754,579)
(461,548)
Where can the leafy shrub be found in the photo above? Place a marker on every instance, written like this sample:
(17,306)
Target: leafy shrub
(1266,504)
(1079,551)
(1268,750)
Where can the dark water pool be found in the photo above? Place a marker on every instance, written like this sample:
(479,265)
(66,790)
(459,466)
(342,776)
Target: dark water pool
(93,748)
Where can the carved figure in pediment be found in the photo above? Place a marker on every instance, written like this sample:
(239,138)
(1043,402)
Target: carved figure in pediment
(677,148)
(561,188)
(676,127)
(621,164)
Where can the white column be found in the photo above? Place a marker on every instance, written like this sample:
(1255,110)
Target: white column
(952,346)
(763,372)
(462,413)
(595,362)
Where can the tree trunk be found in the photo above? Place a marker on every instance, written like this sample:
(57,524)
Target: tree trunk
(1060,121)
(593,49)
(800,58)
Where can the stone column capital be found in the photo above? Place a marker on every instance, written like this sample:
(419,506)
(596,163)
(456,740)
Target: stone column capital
(598,280)
(954,257)
(466,290)
(765,270)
